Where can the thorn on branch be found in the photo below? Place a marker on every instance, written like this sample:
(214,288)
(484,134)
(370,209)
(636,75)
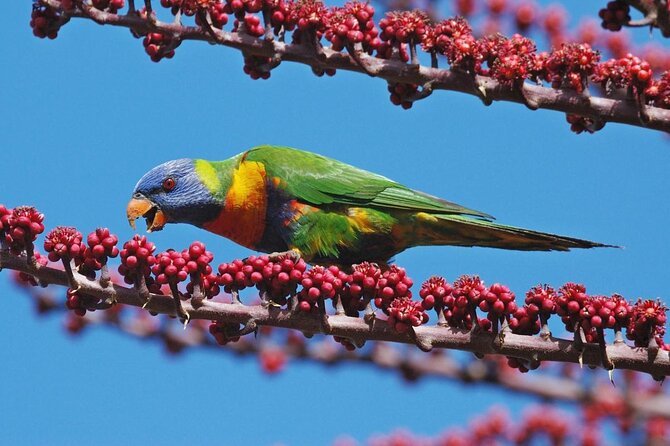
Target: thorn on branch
(578,342)
(182,314)
(640,23)
(479,90)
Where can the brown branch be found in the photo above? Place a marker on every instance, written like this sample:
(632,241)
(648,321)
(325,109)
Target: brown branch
(623,111)
(655,14)
(384,356)
(531,348)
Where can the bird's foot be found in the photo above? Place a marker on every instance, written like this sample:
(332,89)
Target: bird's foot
(291,254)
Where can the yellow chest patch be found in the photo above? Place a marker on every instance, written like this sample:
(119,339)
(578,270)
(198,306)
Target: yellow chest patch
(243,217)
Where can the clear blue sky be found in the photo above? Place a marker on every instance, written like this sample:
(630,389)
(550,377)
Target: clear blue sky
(84,116)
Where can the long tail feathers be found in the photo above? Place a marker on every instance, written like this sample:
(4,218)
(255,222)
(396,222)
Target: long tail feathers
(467,231)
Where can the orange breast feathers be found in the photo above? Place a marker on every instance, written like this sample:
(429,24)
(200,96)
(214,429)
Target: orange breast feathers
(243,217)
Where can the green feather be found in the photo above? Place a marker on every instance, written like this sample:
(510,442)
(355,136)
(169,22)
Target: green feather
(319,180)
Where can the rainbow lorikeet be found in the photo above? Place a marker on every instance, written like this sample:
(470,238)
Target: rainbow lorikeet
(277,199)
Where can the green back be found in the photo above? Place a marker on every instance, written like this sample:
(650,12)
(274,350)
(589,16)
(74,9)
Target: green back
(319,180)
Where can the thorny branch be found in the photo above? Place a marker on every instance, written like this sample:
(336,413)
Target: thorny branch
(593,108)
(531,348)
(411,365)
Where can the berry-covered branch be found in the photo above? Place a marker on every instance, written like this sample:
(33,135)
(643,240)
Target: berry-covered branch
(470,315)
(275,349)
(539,425)
(492,68)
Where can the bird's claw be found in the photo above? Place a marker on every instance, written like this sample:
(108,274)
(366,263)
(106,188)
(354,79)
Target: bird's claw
(292,254)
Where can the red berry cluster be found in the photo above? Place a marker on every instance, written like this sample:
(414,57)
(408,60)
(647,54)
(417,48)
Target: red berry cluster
(541,300)
(170,267)
(515,60)
(101,246)
(659,92)
(402,94)
(627,72)
(198,259)
(571,65)
(485,54)
(525,320)
(108,5)
(74,303)
(217,14)
(159,46)
(21,227)
(363,14)
(250,24)
(198,266)
(405,313)
(647,321)
(605,312)
(320,283)
(215,8)
(137,258)
(237,275)
(498,303)
(460,309)
(219,329)
(281,278)
(404,27)
(342,29)
(394,283)
(45,21)
(309,16)
(539,305)
(279,12)
(241,7)
(257,67)
(362,287)
(434,293)
(449,37)
(64,243)
(570,301)
(615,15)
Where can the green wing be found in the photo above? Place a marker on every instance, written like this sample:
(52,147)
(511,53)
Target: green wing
(319,180)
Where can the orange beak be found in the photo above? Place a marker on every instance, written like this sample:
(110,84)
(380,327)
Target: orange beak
(142,207)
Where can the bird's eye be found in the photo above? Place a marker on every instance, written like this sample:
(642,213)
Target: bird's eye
(169,184)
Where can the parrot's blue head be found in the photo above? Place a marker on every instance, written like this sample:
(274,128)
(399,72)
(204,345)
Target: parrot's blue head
(172,193)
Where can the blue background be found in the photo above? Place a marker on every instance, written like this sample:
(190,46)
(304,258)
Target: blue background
(84,116)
